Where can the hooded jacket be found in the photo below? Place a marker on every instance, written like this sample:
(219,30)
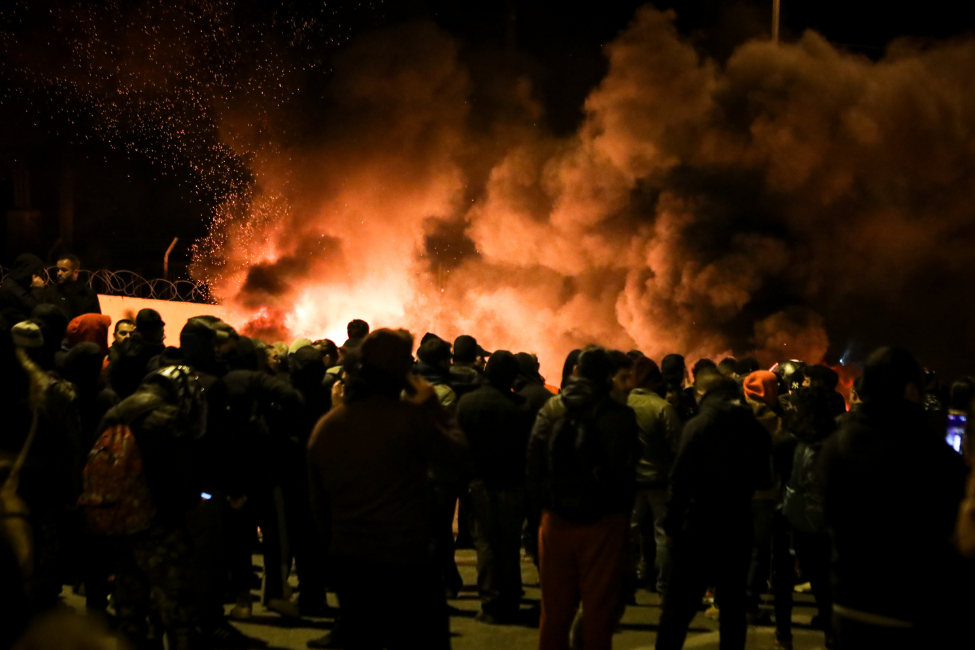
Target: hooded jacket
(497,424)
(615,429)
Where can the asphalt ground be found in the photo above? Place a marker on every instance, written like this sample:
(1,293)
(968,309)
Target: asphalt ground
(637,629)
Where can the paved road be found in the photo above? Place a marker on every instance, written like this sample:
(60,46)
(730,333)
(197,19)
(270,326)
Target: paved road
(637,629)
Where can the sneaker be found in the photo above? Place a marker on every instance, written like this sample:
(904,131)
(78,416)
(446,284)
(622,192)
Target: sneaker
(226,637)
(283,607)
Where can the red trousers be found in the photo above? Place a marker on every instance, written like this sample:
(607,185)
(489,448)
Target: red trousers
(580,562)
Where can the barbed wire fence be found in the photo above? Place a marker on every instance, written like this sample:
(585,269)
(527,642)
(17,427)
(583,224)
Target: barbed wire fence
(133,285)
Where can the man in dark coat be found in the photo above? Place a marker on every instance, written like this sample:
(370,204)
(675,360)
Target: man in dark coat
(70,294)
(497,423)
(724,456)
(882,465)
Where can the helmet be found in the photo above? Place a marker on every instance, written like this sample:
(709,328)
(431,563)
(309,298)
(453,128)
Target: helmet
(786,371)
(183,390)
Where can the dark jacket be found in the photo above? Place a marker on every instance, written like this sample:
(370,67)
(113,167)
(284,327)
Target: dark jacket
(534,391)
(465,378)
(724,457)
(659,436)
(615,432)
(16,294)
(368,463)
(497,425)
(892,491)
(253,450)
(74,298)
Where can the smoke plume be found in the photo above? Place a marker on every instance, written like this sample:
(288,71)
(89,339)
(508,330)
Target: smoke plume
(744,207)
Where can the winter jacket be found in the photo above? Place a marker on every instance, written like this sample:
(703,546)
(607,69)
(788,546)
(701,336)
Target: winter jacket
(368,463)
(74,298)
(497,425)
(891,492)
(723,458)
(615,430)
(659,437)
(534,391)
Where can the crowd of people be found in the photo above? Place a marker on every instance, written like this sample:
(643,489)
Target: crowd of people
(140,475)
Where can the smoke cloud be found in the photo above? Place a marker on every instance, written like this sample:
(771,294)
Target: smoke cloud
(750,206)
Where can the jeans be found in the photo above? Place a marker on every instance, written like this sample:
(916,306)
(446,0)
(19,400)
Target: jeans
(496,522)
(697,561)
(580,562)
(653,502)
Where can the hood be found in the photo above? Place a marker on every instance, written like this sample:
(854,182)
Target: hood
(243,356)
(26,266)
(307,369)
(528,369)
(92,328)
(579,394)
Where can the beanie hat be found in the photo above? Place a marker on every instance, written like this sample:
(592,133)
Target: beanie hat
(92,328)
(762,386)
(27,335)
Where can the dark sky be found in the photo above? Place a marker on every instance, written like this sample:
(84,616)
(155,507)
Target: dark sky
(127,208)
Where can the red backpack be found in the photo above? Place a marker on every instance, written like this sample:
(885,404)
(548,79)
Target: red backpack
(116,494)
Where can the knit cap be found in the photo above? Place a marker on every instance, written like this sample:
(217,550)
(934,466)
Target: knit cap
(762,386)
(27,335)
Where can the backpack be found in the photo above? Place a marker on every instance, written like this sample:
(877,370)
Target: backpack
(575,454)
(803,503)
(115,494)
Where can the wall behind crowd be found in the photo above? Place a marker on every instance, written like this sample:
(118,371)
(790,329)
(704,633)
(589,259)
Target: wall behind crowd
(174,314)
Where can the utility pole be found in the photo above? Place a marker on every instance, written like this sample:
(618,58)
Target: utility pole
(775,21)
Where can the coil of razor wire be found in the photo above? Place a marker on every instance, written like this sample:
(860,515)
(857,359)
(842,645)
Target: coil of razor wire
(133,285)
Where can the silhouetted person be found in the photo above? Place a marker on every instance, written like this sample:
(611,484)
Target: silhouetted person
(73,296)
(497,423)
(368,462)
(867,498)
(724,457)
(581,460)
